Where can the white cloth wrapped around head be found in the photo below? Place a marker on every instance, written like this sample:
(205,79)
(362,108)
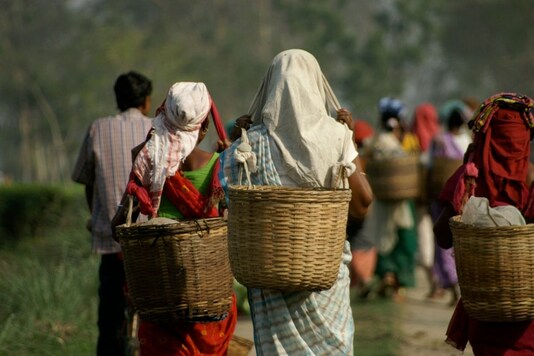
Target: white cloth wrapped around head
(187,105)
(298,108)
(175,135)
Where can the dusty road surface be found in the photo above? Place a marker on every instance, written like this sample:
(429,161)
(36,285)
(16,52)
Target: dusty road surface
(424,322)
(421,322)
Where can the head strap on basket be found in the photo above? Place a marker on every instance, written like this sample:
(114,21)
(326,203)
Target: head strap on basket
(130,210)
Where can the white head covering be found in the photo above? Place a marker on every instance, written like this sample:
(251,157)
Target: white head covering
(175,135)
(297,106)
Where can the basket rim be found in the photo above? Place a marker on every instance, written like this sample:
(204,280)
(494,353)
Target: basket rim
(456,221)
(266,188)
(181,226)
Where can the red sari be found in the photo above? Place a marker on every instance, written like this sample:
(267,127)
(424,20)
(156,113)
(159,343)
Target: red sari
(184,339)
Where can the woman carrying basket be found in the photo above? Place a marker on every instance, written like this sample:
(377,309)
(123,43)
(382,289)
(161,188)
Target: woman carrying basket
(392,223)
(497,164)
(450,145)
(172,177)
(297,142)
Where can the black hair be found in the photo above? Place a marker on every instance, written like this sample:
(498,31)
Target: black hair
(456,120)
(131,90)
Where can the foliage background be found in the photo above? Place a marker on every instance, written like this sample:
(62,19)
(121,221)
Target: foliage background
(59,58)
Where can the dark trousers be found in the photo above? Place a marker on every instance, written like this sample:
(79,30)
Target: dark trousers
(111,308)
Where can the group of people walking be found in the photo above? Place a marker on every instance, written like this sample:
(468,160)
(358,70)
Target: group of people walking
(298,133)
(396,235)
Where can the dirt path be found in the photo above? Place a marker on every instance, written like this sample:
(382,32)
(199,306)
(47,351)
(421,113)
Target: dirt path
(424,323)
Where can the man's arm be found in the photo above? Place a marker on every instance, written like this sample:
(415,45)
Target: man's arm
(89,196)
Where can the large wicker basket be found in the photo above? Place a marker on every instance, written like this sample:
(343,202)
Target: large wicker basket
(395,178)
(178,271)
(495,268)
(286,238)
(442,169)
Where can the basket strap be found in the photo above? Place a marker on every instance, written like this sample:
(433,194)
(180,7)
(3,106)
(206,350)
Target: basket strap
(245,156)
(340,175)
(130,210)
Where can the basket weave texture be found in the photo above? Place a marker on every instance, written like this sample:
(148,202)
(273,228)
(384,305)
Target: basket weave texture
(178,271)
(442,170)
(495,268)
(395,178)
(286,238)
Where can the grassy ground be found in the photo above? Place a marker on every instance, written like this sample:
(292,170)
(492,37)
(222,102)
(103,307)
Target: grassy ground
(48,298)
(48,290)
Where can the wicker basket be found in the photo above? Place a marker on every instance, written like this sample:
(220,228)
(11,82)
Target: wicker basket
(395,178)
(442,169)
(178,271)
(495,270)
(286,238)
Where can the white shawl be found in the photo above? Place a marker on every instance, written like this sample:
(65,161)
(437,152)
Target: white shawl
(298,108)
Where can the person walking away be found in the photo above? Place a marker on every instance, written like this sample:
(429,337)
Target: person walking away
(497,161)
(425,126)
(452,143)
(392,223)
(103,166)
(173,178)
(362,247)
(297,141)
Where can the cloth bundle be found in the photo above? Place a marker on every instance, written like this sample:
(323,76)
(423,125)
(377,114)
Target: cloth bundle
(477,212)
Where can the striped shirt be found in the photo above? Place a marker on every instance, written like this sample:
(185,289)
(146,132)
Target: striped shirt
(105,161)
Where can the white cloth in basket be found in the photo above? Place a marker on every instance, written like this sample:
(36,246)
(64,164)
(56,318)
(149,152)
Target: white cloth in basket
(477,212)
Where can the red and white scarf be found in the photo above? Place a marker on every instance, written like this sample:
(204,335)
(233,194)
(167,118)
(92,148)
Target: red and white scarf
(173,137)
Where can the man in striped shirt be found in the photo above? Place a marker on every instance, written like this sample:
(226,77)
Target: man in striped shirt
(103,166)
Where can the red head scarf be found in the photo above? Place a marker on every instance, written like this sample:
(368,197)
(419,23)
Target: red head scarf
(425,124)
(501,155)
(502,131)
(362,130)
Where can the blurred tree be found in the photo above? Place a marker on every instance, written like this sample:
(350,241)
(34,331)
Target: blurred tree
(32,41)
(367,49)
(396,43)
(487,47)
(59,58)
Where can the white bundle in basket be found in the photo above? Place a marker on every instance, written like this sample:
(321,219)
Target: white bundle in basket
(477,212)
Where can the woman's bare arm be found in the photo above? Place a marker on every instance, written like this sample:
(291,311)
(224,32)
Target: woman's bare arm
(362,194)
